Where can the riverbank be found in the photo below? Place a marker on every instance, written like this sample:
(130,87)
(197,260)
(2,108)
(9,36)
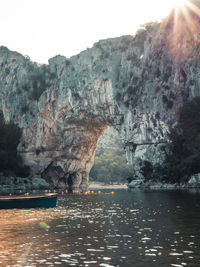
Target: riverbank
(98,185)
(164,186)
(14,184)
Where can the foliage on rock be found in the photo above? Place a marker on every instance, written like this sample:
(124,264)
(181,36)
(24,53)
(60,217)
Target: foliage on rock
(183,154)
(10,161)
(39,81)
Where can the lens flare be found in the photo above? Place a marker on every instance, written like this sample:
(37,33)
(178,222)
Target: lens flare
(44,225)
(178,4)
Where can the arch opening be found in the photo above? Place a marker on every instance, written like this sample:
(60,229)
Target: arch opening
(110,163)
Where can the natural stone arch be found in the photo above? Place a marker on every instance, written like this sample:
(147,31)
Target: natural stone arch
(109,84)
(61,146)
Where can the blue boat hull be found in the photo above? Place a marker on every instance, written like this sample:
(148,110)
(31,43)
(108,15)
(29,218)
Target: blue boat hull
(28,202)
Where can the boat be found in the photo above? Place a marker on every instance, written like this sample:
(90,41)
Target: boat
(48,200)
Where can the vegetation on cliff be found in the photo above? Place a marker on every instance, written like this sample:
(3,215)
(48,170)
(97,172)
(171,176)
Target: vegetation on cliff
(183,158)
(10,161)
(38,81)
(182,155)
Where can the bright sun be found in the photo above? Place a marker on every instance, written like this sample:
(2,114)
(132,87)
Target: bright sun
(178,3)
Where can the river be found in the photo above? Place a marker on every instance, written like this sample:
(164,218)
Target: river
(130,228)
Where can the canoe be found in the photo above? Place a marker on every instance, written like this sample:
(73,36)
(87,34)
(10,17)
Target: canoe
(27,202)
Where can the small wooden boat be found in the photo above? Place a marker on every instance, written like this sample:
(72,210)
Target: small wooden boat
(26,202)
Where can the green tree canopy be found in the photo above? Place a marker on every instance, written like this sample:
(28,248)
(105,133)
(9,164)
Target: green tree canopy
(10,135)
(110,166)
(183,155)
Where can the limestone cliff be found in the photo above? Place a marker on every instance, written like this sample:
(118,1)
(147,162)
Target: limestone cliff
(135,84)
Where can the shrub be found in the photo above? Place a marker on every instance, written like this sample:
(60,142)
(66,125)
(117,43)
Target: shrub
(164,99)
(147,170)
(38,81)
(170,104)
(172,95)
(182,157)
(7,71)
(39,85)
(25,109)
(10,135)
(157,115)
(37,151)
(118,96)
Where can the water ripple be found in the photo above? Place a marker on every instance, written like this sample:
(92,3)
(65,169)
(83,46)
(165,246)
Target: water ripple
(126,229)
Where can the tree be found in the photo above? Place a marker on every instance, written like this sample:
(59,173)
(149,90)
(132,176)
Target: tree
(111,166)
(183,154)
(10,135)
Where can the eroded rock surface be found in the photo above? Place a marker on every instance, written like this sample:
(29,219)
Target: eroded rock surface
(135,84)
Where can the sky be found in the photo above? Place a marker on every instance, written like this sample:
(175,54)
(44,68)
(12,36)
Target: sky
(42,29)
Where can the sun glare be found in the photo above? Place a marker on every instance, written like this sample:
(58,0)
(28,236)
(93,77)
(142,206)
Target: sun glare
(184,37)
(178,3)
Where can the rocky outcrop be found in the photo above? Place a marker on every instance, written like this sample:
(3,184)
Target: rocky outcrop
(135,84)
(62,108)
(17,184)
(195,180)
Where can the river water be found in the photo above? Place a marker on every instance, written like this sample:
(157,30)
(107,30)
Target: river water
(129,228)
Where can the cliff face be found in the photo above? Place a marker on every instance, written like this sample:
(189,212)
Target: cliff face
(63,109)
(134,84)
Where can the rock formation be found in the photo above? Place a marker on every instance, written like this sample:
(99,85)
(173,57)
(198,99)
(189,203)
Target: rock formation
(135,84)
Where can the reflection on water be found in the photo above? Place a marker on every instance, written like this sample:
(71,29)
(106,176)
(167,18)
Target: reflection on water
(138,228)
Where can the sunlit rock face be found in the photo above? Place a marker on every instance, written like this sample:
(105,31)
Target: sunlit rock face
(135,84)
(61,127)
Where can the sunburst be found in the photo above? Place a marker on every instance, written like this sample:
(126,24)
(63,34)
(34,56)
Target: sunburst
(181,31)
(178,3)
(184,38)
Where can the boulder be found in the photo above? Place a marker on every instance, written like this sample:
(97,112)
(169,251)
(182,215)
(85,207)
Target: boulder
(194,180)
(39,183)
(136,183)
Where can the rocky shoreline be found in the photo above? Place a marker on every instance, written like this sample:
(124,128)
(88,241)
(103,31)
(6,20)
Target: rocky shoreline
(193,182)
(152,185)
(155,186)
(98,185)
(17,184)
(14,184)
